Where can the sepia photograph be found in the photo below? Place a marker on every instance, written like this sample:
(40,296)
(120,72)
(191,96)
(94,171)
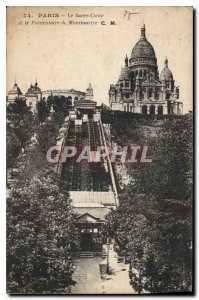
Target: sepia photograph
(99,150)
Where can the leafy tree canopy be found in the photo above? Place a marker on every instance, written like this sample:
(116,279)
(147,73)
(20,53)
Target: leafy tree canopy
(40,238)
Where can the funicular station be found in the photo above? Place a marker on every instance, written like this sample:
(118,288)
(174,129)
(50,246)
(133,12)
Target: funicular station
(91,184)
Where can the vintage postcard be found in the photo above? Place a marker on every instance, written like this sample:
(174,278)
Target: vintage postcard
(99,150)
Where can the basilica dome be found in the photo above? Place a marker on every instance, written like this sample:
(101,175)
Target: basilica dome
(143,51)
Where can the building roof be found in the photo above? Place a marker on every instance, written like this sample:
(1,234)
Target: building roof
(34,89)
(166,73)
(63,91)
(15,90)
(90,89)
(104,198)
(96,212)
(143,49)
(83,103)
(125,73)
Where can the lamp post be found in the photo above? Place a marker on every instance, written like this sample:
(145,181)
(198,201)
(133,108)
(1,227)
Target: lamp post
(108,248)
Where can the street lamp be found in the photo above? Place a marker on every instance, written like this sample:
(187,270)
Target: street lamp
(108,248)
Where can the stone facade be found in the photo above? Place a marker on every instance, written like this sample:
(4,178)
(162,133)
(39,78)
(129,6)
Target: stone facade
(14,93)
(140,89)
(33,95)
(73,95)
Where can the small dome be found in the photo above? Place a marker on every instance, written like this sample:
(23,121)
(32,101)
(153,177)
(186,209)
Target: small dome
(15,90)
(125,74)
(166,74)
(34,89)
(143,49)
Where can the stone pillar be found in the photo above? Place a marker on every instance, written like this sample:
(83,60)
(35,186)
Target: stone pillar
(72,100)
(165,109)
(137,109)
(175,108)
(180,109)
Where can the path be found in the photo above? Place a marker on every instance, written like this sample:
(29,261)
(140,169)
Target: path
(89,281)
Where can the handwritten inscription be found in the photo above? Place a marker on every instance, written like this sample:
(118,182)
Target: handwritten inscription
(128,14)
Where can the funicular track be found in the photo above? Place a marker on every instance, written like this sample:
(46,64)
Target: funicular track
(86,176)
(97,170)
(85,169)
(93,141)
(76,176)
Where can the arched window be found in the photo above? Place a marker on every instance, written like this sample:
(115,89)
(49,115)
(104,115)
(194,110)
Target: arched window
(140,73)
(136,73)
(144,109)
(152,110)
(70,100)
(160,110)
(76,98)
(144,73)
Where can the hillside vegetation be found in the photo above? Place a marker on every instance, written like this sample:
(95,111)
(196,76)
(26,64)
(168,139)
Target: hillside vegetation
(152,226)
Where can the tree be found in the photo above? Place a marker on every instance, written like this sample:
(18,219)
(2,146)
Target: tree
(170,174)
(61,104)
(21,119)
(17,109)
(40,238)
(42,111)
(32,163)
(13,148)
(49,130)
(153,224)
